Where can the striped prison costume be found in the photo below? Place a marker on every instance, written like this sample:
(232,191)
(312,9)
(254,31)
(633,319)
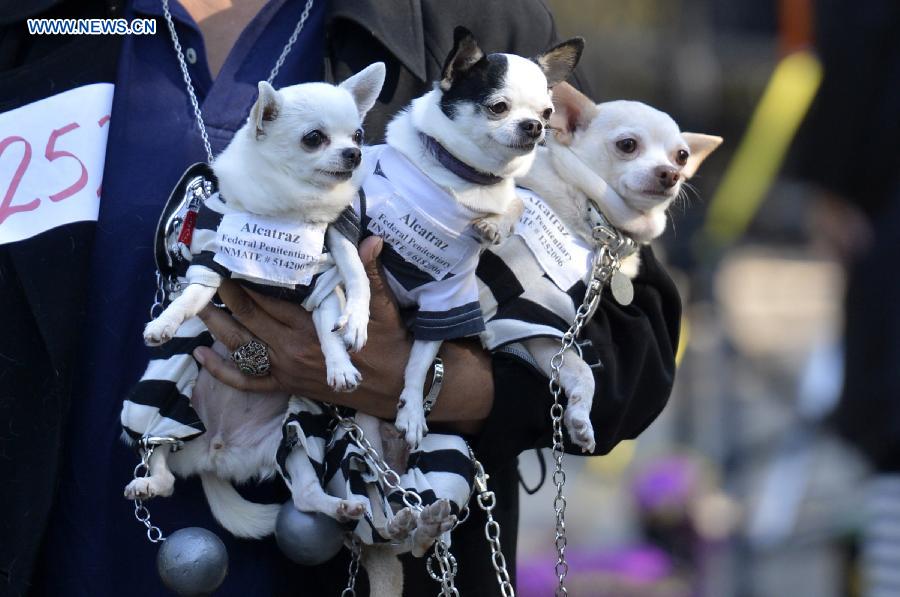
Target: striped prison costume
(531,285)
(160,403)
(430,249)
(440,467)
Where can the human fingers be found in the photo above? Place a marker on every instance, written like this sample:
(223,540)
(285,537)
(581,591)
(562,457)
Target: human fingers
(225,328)
(285,312)
(246,310)
(383,304)
(228,373)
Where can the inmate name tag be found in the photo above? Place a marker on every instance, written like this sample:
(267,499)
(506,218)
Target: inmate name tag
(564,256)
(420,240)
(270,249)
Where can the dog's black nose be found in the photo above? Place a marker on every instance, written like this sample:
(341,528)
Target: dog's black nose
(531,127)
(668,176)
(352,156)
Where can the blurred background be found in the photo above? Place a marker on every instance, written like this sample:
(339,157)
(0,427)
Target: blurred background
(772,471)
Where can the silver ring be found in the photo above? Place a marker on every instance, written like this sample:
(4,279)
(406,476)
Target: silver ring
(252,358)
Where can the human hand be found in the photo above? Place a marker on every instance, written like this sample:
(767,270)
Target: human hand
(297,364)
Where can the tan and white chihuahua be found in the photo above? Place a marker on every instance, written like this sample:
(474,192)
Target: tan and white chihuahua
(630,161)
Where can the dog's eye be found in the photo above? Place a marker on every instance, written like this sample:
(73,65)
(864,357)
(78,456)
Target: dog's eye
(681,157)
(626,145)
(313,139)
(547,113)
(498,107)
(358,136)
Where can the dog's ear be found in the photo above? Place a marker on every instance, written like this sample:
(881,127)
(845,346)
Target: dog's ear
(266,108)
(701,146)
(572,110)
(559,61)
(365,86)
(464,55)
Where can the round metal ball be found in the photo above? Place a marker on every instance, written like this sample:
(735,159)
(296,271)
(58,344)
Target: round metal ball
(307,538)
(192,561)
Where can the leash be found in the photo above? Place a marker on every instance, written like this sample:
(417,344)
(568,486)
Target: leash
(611,247)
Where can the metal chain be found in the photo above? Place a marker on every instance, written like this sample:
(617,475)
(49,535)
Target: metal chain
(449,568)
(159,297)
(291,41)
(390,480)
(606,262)
(187,79)
(386,475)
(187,76)
(487,501)
(154,534)
(353,569)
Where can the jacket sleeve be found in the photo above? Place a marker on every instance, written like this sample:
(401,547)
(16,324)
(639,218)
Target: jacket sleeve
(636,348)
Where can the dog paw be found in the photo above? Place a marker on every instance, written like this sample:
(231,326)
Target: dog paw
(348,510)
(401,525)
(144,488)
(159,331)
(434,520)
(489,229)
(353,327)
(578,423)
(411,422)
(342,377)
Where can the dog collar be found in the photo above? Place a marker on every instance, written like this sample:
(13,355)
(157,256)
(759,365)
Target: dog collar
(457,166)
(604,233)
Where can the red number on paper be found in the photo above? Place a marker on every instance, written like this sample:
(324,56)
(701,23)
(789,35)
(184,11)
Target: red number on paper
(6,207)
(52,153)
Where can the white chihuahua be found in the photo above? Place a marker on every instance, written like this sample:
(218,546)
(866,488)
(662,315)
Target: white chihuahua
(284,181)
(623,158)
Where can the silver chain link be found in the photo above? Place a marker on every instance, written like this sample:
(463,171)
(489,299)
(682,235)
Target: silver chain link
(606,262)
(353,569)
(390,480)
(487,500)
(187,79)
(154,534)
(291,41)
(448,566)
(159,297)
(187,76)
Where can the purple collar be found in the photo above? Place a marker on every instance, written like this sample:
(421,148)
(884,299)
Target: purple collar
(457,166)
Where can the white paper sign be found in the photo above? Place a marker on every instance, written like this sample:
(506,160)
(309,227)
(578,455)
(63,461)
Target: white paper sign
(51,161)
(270,249)
(564,256)
(419,239)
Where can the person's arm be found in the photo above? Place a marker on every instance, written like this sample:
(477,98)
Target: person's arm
(636,348)
(298,366)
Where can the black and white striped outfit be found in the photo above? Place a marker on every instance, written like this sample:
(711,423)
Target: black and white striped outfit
(440,467)
(531,285)
(430,248)
(160,403)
